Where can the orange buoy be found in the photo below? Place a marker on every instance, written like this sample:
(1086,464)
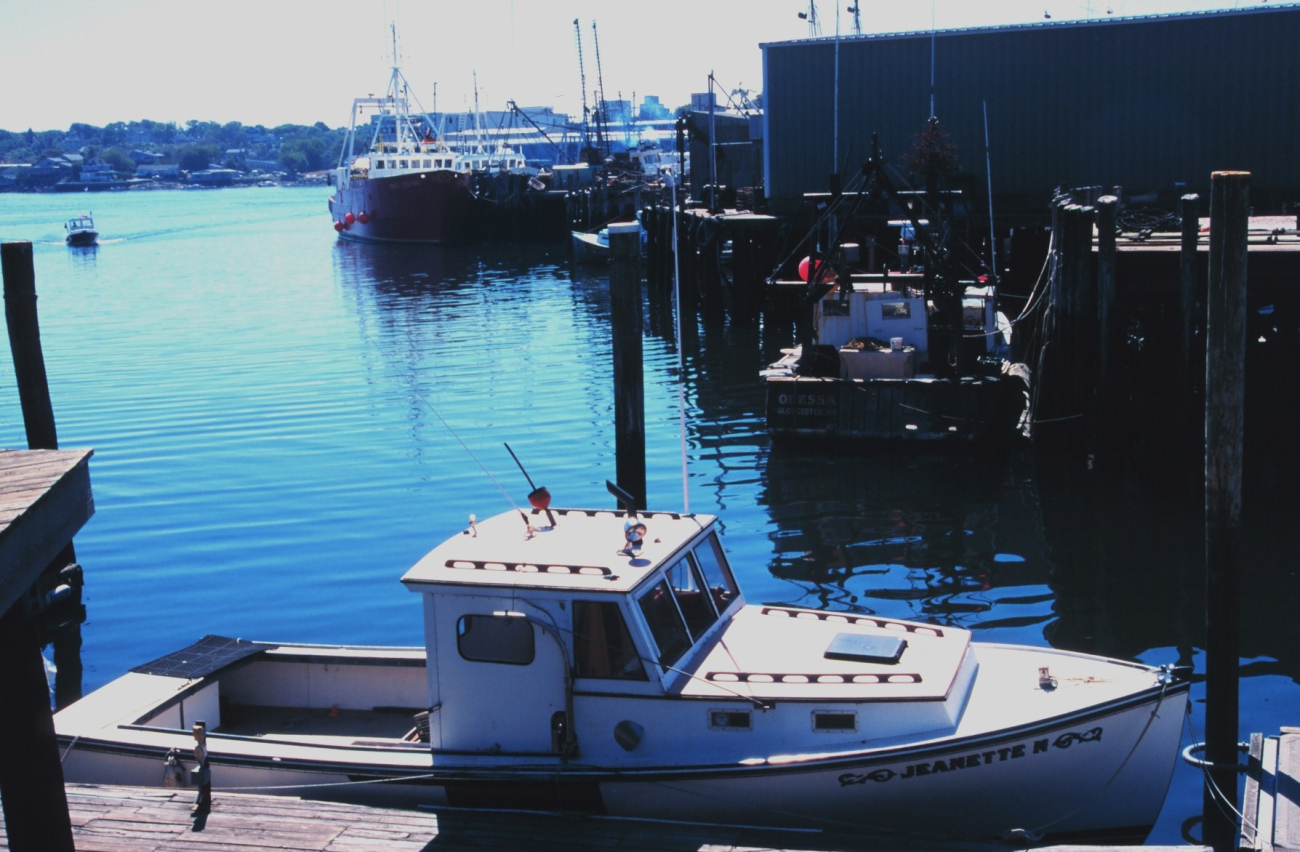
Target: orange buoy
(824,272)
(338,226)
(363,217)
(348,219)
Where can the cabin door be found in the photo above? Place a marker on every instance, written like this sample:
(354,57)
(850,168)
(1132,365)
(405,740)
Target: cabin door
(501,681)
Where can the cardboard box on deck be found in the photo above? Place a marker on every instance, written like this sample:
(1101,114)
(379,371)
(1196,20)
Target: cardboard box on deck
(878,363)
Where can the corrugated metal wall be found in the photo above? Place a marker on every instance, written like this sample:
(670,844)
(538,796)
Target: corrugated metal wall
(1142,103)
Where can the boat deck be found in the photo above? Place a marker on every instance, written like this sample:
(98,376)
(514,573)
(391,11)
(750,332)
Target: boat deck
(289,723)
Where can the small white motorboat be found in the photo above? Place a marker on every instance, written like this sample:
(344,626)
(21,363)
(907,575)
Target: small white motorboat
(606,662)
(81,231)
(591,248)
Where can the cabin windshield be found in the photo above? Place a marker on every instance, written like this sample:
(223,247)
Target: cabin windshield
(717,576)
(602,645)
(680,609)
(665,623)
(696,607)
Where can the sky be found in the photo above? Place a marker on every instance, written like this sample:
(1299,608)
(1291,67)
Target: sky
(274,62)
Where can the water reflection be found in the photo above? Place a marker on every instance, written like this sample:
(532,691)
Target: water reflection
(906,535)
(82,259)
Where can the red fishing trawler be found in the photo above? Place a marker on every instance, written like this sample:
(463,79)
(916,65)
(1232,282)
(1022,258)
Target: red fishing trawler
(404,184)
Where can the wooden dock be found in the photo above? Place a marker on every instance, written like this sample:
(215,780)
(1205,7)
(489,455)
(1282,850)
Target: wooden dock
(139,819)
(1270,805)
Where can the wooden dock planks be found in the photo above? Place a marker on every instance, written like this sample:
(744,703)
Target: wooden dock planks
(45,498)
(137,819)
(1271,802)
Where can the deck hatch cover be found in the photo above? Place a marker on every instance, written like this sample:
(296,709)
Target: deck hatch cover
(856,647)
(209,654)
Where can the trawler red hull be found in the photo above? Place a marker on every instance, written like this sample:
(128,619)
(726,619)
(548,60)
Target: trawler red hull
(422,207)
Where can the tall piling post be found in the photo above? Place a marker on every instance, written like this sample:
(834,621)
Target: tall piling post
(38,418)
(31,775)
(629,379)
(1108,339)
(1225,374)
(25,343)
(1065,365)
(1186,375)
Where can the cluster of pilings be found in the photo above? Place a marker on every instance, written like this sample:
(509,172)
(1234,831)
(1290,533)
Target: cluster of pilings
(1119,340)
(724,260)
(613,198)
(510,207)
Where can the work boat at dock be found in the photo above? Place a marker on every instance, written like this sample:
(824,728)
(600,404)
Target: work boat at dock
(604,662)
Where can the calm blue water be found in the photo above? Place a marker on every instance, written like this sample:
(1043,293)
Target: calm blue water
(283,423)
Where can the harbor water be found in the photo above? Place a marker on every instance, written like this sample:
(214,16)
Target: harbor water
(284,422)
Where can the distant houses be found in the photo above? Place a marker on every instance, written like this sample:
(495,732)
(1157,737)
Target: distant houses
(159,171)
(214,177)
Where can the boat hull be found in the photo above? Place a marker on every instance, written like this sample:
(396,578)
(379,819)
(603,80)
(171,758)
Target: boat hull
(85,238)
(920,410)
(1027,784)
(587,248)
(421,207)
(1096,775)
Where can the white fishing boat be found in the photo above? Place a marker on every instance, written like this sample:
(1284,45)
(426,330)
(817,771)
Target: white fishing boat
(590,247)
(601,662)
(873,369)
(917,354)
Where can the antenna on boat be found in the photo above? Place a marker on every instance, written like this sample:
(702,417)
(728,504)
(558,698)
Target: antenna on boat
(677,331)
(988,168)
(582,77)
(625,501)
(538,498)
(602,116)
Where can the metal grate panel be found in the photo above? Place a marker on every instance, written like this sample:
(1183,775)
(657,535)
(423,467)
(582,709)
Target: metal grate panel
(209,654)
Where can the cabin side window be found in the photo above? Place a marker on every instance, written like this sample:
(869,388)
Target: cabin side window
(665,623)
(495,639)
(717,576)
(602,645)
(895,310)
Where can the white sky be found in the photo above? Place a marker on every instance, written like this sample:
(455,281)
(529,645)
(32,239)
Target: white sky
(301,61)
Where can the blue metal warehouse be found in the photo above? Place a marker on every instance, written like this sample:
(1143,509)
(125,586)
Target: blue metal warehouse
(1151,104)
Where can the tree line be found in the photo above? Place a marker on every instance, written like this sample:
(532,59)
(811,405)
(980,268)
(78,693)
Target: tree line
(197,145)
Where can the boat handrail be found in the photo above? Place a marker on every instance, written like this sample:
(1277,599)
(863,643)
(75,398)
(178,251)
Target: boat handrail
(853,618)
(344,743)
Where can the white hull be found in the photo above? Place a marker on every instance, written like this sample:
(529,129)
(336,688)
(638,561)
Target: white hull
(989,788)
(1099,773)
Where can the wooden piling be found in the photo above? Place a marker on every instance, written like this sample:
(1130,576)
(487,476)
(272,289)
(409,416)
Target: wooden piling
(1064,396)
(1108,340)
(31,777)
(1225,361)
(45,498)
(1187,435)
(25,343)
(629,380)
(19,274)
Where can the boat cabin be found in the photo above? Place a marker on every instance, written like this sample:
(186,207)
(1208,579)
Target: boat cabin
(536,613)
(530,624)
(880,325)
